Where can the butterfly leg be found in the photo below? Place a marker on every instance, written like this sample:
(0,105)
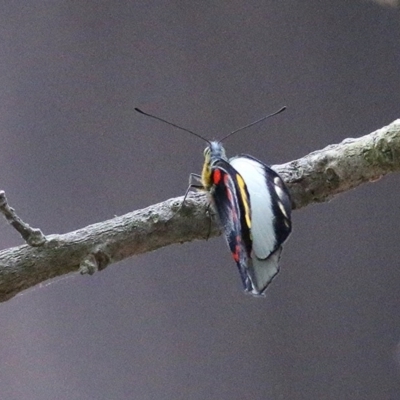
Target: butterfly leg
(194,184)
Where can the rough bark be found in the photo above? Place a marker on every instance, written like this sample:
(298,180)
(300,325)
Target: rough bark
(317,177)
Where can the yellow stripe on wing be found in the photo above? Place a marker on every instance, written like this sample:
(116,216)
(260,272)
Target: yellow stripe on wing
(245,199)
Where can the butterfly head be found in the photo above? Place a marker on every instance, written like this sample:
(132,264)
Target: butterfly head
(212,153)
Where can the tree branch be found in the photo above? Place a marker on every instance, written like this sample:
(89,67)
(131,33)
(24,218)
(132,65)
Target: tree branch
(316,177)
(34,237)
(388,3)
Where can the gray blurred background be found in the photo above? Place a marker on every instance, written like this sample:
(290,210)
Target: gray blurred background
(175,324)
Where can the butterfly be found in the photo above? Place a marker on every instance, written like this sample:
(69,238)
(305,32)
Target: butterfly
(253,205)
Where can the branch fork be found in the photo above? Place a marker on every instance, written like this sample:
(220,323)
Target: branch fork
(32,236)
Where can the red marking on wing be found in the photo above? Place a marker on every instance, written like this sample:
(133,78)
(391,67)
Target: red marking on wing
(227,183)
(229,195)
(216,176)
(236,254)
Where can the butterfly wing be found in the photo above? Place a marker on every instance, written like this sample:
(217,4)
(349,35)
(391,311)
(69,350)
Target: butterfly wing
(270,206)
(232,205)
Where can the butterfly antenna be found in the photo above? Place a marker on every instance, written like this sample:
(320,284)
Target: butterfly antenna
(170,123)
(253,123)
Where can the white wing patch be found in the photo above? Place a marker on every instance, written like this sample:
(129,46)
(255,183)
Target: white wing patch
(262,217)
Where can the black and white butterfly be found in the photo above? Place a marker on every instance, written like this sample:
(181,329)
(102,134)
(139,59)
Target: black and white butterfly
(254,208)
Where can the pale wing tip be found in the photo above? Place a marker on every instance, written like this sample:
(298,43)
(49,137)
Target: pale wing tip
(262,272)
